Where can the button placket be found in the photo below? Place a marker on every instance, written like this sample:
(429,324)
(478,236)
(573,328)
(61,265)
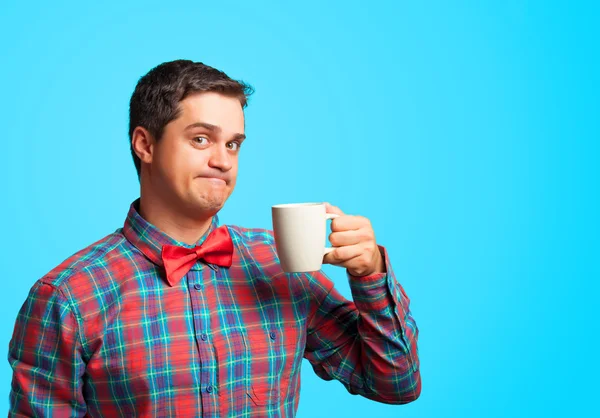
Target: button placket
(201,315)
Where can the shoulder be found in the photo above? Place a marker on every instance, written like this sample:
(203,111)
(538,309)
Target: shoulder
(251,236)
(256,246)
(102,254)
(256,242)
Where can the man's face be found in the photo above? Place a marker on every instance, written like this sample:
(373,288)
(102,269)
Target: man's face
(195,163)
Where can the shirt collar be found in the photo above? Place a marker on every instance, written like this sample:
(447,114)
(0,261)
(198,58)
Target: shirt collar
(149,239)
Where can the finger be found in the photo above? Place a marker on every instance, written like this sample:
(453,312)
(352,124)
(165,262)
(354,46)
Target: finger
(348,263)
(339,239)
(333,209)
(342,254)
(349,223)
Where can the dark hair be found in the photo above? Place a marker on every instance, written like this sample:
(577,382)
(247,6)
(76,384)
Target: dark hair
(155,100)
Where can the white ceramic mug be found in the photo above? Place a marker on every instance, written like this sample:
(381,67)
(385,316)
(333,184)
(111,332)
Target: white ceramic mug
(300,230)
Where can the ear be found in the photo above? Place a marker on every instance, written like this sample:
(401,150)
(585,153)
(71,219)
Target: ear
(143,144)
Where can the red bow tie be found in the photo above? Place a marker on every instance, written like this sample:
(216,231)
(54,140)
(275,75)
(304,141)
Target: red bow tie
(216,249)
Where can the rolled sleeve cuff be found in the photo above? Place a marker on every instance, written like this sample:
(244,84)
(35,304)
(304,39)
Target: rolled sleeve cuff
(372,292)
(380,292)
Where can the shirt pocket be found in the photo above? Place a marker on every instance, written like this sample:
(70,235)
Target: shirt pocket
(275,358)
(232,353)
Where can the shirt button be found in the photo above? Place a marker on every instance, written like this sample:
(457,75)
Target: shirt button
(197,286)
(209,388)
(273,335)
(204,337)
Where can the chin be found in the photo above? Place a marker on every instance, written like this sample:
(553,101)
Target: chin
(212,206)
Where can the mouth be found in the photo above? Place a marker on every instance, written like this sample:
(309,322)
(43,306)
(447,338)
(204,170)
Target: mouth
(216,180)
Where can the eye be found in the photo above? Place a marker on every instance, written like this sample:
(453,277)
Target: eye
(236,144)
(198,140)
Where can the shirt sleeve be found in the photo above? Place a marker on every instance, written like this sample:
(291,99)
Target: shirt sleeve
(369,344)
(45,354)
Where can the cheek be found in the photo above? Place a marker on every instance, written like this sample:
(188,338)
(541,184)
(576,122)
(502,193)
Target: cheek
(198,161)
(183,166)
(170,170)
(234,173)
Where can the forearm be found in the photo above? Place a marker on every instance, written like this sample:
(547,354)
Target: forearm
(387,336)
(387,340)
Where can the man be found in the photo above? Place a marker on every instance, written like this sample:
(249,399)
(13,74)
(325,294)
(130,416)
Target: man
(174,315)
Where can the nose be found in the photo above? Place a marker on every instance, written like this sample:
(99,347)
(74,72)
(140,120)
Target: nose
(220,158)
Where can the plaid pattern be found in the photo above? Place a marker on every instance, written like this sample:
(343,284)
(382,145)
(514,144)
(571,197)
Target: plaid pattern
(103,334)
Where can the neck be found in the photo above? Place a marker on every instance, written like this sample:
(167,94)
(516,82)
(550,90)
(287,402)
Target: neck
(173,223)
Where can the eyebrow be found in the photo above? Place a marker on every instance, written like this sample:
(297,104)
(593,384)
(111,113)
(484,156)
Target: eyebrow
(213,128)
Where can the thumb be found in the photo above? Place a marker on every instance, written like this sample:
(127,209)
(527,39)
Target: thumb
(333,209)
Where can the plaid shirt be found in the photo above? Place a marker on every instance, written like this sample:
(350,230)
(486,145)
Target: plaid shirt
(103,334)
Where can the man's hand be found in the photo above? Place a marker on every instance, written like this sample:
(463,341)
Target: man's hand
(356,249)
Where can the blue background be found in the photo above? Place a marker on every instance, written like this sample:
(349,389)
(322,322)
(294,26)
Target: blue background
(466,131)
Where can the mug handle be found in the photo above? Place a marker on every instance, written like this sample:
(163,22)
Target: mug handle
(330,216)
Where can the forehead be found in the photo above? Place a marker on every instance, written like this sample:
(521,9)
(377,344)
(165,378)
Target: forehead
(214,108)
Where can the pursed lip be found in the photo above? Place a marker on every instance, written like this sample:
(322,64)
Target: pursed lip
(214,178)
